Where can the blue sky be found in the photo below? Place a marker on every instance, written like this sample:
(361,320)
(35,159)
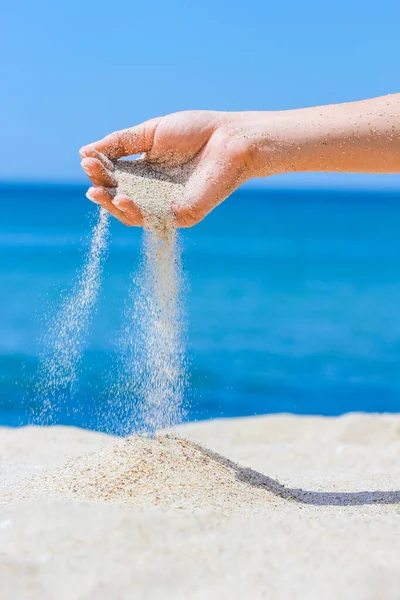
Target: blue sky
(76,70)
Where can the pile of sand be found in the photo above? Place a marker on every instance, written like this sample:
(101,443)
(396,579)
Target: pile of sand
(164,471)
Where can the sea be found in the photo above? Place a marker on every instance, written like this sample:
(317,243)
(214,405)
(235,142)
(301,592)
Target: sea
(292,302)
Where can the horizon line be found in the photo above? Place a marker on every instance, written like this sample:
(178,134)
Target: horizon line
(346,183)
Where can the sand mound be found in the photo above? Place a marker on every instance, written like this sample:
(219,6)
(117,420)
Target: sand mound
(164,471)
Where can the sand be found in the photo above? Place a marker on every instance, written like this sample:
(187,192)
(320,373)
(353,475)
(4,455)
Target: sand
(155,189)
(153,367)
(67,330)
(278,507)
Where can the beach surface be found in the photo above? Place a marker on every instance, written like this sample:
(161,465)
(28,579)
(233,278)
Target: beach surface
(266,507)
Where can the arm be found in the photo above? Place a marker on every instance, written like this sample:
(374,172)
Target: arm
(227,149)
(360,137)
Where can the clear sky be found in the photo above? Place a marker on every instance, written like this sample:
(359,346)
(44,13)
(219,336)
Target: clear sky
(73,71)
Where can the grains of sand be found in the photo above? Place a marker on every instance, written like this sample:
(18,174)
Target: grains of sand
(67,331)
(164,471)
(152,377)
(154,189)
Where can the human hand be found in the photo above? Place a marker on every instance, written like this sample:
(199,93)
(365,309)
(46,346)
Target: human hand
(221,157)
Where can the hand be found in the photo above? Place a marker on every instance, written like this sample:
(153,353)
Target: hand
(214,141)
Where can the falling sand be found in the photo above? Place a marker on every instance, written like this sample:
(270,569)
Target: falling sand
(149,392)
(65,338)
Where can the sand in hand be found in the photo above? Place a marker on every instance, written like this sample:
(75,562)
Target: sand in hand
(154,189)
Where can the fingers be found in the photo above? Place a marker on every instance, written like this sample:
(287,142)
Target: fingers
(125,142)
(104,197)
(129,209)
(120,206)
(90,152)
(100,170)
(98,173)
(100,195)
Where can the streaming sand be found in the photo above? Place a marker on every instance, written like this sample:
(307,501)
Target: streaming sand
(151,377)
(271,507)
(67,331)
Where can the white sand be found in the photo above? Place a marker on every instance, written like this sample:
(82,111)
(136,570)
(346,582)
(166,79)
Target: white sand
(153,367)
(319,519)
(154,189)
(67,329)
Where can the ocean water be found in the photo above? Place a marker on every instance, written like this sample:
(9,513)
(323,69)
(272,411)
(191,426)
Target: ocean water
(292,300)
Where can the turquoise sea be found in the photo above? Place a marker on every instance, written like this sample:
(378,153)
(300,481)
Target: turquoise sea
(292,298)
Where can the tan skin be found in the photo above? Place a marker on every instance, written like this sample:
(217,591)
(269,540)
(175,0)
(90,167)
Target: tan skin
(227,149)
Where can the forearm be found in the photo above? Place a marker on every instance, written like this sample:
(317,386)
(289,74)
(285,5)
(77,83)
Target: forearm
(359,137)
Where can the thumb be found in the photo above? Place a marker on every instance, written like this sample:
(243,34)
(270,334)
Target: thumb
(125,142)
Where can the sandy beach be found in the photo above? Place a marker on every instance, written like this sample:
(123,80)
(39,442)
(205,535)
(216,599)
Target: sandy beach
(265,507)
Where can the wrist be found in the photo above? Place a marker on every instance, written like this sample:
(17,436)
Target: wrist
(295,140)
(277,142)
(285,141)
(272,142)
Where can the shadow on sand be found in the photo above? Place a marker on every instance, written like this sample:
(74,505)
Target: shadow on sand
(259,480)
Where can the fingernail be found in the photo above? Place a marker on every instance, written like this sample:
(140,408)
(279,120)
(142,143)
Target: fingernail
(89,195)
(83,152)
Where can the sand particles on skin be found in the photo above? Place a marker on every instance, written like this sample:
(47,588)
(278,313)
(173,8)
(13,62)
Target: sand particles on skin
(64,341)
(149,392)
